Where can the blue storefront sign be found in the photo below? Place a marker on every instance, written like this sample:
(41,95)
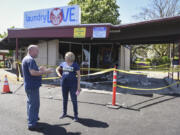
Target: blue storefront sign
(60,16)
(99,32)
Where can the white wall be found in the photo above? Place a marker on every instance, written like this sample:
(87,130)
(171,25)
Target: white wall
(48,54)
(42,57)
(53,52)
(124,58)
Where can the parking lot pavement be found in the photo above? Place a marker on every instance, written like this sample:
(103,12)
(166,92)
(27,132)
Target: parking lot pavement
(157,115)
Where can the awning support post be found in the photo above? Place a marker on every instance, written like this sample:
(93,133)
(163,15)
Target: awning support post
(17,48)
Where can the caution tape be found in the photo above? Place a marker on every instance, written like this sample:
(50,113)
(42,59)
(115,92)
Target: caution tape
(97,73)
(92,74)
(101,72)
(124,71)
(127,72)
(110,70)
(92,69)
(162,68)
(159,70)
(141,66)
(177,68)
(19,71)
(86,69)
(143,89)
(51,78)
(18,62)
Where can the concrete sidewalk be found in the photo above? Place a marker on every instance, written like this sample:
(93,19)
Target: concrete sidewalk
(158,115)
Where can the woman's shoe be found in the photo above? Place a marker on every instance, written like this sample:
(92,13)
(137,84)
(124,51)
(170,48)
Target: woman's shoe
(75,119)
(63,116)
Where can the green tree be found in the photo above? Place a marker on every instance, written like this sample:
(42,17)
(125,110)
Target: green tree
(98,11)
(3,35)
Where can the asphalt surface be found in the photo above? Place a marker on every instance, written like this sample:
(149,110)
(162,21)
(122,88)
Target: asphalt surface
(140,115)
(157,115)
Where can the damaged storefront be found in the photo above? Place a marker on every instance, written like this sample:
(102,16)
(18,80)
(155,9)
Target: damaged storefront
(91,55)
(88,55)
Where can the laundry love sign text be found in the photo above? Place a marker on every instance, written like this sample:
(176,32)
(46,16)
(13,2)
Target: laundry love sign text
(60,16)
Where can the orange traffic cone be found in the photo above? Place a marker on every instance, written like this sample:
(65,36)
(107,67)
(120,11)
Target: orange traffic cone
(6,86)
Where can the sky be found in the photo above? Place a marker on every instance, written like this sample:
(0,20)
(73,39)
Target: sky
(12,11)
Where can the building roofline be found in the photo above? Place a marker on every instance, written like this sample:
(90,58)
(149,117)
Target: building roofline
(65,26)
(106,24)
(164,30)
(147,22)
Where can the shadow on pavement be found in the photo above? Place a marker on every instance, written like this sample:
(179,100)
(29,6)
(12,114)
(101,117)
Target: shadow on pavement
(91,103)
(153,101)
(83,102)
(145,101)
(91,123)
(54,129)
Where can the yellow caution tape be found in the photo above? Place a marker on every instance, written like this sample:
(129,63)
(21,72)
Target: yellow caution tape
(141,66)
(97,73)
(177,68)
(101,72)
(18,62)
(93,69)
(109,70)
(143,89)
(112,69)
(160,70)
(19,71)
(127,72)
(50,78)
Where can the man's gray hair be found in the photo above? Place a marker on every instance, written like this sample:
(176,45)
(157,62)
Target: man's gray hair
(30,47)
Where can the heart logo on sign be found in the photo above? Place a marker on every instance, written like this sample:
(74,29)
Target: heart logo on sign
(56,16)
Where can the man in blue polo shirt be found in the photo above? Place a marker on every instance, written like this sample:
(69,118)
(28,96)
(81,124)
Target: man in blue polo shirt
(32,82)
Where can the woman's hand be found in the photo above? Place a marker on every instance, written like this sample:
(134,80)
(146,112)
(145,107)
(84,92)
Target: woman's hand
(78,92)
(57,71)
